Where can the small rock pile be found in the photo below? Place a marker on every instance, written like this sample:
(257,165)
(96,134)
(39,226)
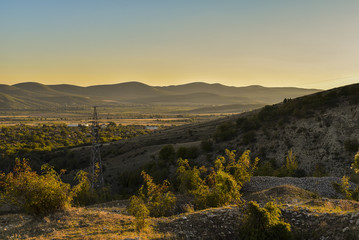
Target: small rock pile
(321,185)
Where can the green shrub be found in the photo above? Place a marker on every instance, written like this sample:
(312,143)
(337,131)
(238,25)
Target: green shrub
(223,190)
(156,197)
(299,173)
(83,189)
(241,169)
(249,137)
(167,154)
(187,152)
(33,193)
(248,124)
(85,195)
(344,186)
(225,131)
(265,169)
(207,145)
(138,209)
(290,167)
(291,163)
(355,165)
(319,170)
(189,178)
(351,145)
(264,223)
(268,112)
(222,185)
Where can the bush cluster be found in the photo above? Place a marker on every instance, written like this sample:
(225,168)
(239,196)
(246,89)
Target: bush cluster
(288,169)
(167,154)
(33,193)
(187,152)
(219,185)
(152,200)
(344,186)
(225,131)
(45,193)
(264,223)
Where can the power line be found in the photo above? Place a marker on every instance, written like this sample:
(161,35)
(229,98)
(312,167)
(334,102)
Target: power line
(96,163)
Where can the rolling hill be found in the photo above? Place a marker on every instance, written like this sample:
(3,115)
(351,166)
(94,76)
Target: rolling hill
(31,95)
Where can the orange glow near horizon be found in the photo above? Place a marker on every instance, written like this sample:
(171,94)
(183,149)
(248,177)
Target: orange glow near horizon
(235,43)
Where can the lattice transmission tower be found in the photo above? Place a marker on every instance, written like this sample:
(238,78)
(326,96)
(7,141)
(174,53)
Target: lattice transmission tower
(96,163)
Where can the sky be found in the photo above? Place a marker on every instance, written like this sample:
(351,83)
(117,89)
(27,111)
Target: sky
(306,43)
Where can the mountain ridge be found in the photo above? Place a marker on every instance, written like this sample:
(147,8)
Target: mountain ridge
(37,95)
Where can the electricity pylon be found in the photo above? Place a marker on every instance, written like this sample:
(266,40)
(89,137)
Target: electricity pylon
(96,174)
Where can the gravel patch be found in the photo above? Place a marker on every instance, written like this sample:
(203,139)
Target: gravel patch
(321,185)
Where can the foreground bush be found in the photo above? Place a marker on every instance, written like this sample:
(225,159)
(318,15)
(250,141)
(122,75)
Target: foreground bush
(84,195)
(221,190)
(223,183)
(33,193)
(355,165)
(155,199)
(264,223)
(189,178)
(138,209)
(344,186)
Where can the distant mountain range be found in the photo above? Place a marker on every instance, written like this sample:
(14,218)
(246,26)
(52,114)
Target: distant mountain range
(31,95)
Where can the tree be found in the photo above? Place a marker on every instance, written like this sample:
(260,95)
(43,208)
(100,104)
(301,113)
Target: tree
(344,186)
(291,163)
(189,178)
(138,209)
(355,165)
(167,154)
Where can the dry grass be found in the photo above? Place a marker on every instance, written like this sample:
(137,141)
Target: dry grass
(76,223)
(332,206)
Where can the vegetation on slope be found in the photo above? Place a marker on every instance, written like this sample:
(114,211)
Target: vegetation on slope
(25,141)
(299,124)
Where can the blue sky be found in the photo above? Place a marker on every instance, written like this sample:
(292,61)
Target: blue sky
(305,43)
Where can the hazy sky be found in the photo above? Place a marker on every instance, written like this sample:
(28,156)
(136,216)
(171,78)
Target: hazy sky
(306,43)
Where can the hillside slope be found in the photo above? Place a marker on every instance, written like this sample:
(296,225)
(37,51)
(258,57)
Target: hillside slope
(322,130)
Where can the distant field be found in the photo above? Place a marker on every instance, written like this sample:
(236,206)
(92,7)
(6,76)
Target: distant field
(28,120)
(138,115)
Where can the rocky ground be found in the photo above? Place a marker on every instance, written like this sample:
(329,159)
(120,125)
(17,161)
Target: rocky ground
(307,222)
(311,217)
